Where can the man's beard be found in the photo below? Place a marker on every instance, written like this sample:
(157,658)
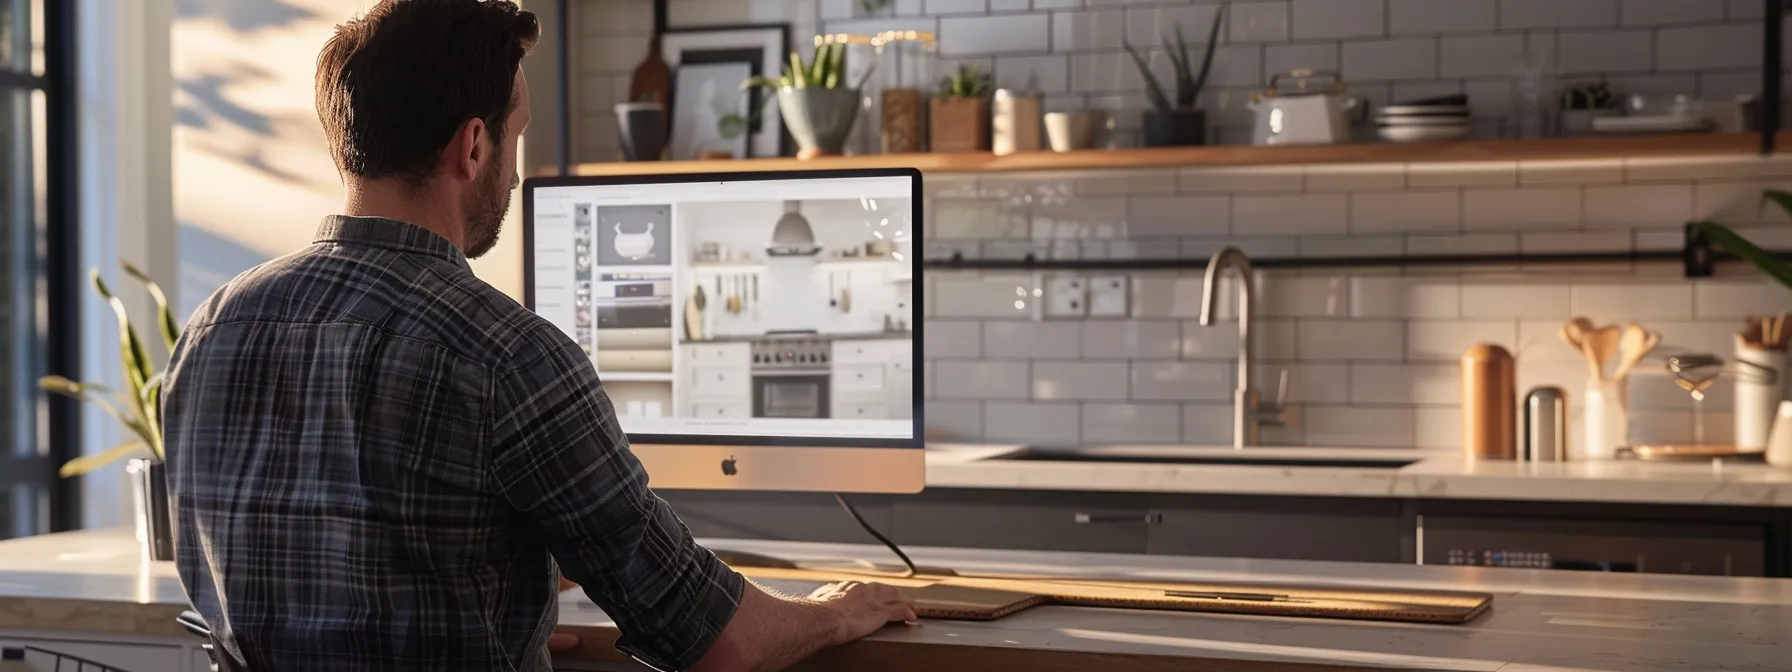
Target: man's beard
(485,210)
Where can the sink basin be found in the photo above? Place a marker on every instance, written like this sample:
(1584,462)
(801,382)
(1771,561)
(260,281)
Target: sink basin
(1243,458)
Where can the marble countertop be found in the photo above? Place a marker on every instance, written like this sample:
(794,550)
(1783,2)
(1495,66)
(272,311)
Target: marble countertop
(1433,475)
(1540,621)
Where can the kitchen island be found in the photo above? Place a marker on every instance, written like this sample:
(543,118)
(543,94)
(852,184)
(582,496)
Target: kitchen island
(87,593)
(1330,504)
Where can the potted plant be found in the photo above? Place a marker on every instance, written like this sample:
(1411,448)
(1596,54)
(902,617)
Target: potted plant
(1772,264)
(818,106)
(138,407)
(1177,122)
(958,118)
(1584,102)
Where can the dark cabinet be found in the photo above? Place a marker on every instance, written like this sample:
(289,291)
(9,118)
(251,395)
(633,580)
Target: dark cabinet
(1024,520)
(1286,528)
(1653,547)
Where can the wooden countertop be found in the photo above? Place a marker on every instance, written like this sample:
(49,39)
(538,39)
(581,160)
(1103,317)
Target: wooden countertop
(1592,147)
(1539,621)
(93,582)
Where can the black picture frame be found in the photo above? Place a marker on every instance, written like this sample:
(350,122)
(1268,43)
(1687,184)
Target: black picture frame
(764,45)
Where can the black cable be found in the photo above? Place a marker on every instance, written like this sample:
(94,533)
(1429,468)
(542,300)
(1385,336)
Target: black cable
(910,564)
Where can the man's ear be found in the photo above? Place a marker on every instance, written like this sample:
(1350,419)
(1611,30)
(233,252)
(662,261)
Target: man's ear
(464,153)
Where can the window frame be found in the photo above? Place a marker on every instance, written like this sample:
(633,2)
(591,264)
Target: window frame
(56,281)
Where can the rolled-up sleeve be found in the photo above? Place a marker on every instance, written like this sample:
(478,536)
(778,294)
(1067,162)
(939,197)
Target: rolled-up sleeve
(560,457)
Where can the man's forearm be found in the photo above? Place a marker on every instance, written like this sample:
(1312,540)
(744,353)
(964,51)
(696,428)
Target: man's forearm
(770,631)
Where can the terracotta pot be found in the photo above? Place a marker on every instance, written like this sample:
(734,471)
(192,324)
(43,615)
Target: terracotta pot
(959,125)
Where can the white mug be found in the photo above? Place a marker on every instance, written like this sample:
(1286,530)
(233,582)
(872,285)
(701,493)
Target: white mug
(1068,131)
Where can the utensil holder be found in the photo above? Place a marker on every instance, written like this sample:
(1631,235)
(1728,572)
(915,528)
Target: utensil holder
(1759,377)
(1779,440)
(1605,419)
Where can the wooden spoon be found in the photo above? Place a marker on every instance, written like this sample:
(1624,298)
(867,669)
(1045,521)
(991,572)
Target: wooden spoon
(1575,333)
(1602,346)
(1635,345)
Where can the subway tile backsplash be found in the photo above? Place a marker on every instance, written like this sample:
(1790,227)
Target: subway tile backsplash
(1372,353)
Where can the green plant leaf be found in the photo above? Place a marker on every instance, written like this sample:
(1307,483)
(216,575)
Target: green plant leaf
(1729,241)
(1213,40)
(135,359)
(152,414)
(1185,76)
(1780,198)
(164,313)
(91,393)
(86,464)
(797,71)
(1159,99)
(758,82)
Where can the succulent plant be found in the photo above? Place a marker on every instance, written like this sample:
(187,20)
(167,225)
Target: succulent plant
(138,407)
(1589,96)
(967,82)
(1188,82)
(827,70)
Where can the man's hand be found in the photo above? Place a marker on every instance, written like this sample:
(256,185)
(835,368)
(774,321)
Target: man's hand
(862,608)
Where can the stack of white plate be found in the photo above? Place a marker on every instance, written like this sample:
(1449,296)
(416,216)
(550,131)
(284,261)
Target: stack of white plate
(1419,121)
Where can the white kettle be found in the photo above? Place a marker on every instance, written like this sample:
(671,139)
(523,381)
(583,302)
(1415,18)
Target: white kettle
(1305,114)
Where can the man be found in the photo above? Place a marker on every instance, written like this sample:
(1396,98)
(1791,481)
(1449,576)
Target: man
(377,458)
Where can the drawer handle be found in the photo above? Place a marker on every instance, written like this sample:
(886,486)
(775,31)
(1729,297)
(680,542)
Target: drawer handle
(861,375)
(1091,518)
(721,377)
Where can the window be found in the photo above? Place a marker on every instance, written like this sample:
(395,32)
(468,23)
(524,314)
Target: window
(39,283)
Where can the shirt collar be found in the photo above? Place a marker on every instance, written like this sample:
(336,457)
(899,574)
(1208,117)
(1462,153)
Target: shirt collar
(389,233)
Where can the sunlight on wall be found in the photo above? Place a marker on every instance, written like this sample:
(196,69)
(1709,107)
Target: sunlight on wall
(252,173)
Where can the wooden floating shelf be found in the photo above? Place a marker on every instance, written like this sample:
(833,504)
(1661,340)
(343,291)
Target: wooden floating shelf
(1592,147)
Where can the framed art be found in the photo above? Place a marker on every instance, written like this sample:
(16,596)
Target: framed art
(711,113)
(762,48)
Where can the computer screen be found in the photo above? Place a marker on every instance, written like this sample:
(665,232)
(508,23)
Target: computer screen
(743,316)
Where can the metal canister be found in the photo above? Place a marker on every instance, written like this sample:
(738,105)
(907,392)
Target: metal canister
(1489,398)
(1546,424)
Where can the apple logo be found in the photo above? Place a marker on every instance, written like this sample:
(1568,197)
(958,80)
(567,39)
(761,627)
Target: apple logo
(728,466)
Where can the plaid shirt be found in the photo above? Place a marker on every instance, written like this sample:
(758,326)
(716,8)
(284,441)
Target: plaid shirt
(376,460)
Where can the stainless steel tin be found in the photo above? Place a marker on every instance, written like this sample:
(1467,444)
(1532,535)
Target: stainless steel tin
(1546,424)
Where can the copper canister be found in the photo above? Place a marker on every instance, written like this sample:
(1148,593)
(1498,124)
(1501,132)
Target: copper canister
(1489,403)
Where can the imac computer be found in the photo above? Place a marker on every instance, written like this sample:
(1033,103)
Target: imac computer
(754,331)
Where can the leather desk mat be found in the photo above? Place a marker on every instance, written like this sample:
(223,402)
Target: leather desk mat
(988,597)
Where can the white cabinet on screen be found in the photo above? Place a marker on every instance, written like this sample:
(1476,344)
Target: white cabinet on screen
(873,379)
(716,380)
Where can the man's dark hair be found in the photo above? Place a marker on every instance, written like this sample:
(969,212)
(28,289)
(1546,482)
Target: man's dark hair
(394,85)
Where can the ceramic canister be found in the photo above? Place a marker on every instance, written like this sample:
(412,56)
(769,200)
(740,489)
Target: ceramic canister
(1016,122)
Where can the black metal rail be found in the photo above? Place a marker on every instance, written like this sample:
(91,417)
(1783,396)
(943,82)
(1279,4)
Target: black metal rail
(1772,37)
(1698,259)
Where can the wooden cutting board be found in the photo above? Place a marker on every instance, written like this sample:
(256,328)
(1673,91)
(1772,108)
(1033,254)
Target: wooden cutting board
(992,597)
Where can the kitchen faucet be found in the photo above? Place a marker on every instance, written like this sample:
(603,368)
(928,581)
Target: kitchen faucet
(1248,413)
